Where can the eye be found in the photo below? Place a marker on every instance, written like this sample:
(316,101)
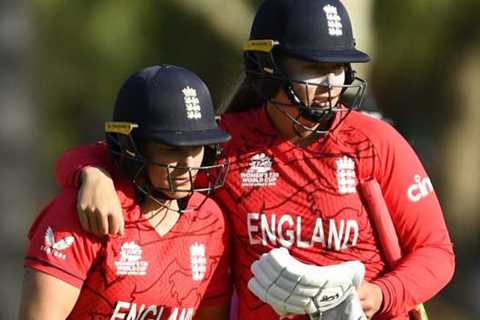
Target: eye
(325,68)
(337,68)
(186,151)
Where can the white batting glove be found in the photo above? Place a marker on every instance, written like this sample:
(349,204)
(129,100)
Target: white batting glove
(293,287)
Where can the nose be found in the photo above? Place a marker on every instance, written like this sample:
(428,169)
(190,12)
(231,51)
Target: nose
(183,165)
(322,87)
(189,161)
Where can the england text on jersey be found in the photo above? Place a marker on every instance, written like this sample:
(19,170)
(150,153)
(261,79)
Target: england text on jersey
(127,310)
(286,230)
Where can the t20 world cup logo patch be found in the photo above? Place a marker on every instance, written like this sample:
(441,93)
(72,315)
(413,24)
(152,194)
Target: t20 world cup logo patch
(260,172)
(130,262)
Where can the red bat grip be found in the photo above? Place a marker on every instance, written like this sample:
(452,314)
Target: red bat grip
(380,215)
(387,235)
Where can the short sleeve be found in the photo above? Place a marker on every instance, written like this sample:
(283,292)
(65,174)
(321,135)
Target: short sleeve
(57,245)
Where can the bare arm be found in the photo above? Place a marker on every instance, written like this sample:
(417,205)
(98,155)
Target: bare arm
(45,297)
(98,206)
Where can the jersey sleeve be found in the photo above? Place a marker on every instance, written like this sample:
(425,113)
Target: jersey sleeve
(219,289)
(57,245)
(72,161)
(428,260)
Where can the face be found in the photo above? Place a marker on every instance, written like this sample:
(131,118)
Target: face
(179,158)
(323,81)
(318,85)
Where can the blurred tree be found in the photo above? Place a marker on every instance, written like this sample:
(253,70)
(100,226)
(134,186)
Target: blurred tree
(18,142)
(425,77)
(87,48)
(461,153)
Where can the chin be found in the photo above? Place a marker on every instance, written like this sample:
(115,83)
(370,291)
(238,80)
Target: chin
(178,194)
(162,192)
(302,132)
(308,123)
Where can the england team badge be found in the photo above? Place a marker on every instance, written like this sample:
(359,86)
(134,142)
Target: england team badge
(346,178)
(198,261)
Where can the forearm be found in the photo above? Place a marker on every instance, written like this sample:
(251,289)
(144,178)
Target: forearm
(428,260)
(418,277)
(69,165)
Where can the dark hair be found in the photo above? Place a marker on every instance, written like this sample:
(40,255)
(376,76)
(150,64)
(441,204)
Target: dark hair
(255,86)
(126,154)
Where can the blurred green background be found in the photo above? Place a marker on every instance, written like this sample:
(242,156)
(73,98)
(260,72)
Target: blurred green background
(62,62)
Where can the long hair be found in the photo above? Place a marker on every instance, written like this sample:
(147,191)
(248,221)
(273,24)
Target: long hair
(126,154)
(255,86)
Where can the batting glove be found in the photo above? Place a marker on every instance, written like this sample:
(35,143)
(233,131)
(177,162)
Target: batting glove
(293,287)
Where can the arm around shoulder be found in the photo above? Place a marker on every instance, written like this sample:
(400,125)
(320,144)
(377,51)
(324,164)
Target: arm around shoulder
(98,206)
(70,164)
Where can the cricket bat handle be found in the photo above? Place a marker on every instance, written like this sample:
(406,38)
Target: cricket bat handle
(382,222)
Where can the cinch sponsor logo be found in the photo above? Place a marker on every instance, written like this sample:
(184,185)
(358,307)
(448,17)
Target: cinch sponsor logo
(132,311)
(286,230)
(56,248)
(420,189)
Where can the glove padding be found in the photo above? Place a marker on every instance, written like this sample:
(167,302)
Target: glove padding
(293,287)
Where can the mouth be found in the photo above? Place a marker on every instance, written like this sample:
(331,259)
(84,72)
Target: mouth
(323,103)
(180,180)
(320,105)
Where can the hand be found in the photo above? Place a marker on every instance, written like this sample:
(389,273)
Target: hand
(371,298)
(293,287)
(98,206)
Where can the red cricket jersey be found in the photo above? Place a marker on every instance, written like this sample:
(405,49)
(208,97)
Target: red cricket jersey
(141,275)
(306,199)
